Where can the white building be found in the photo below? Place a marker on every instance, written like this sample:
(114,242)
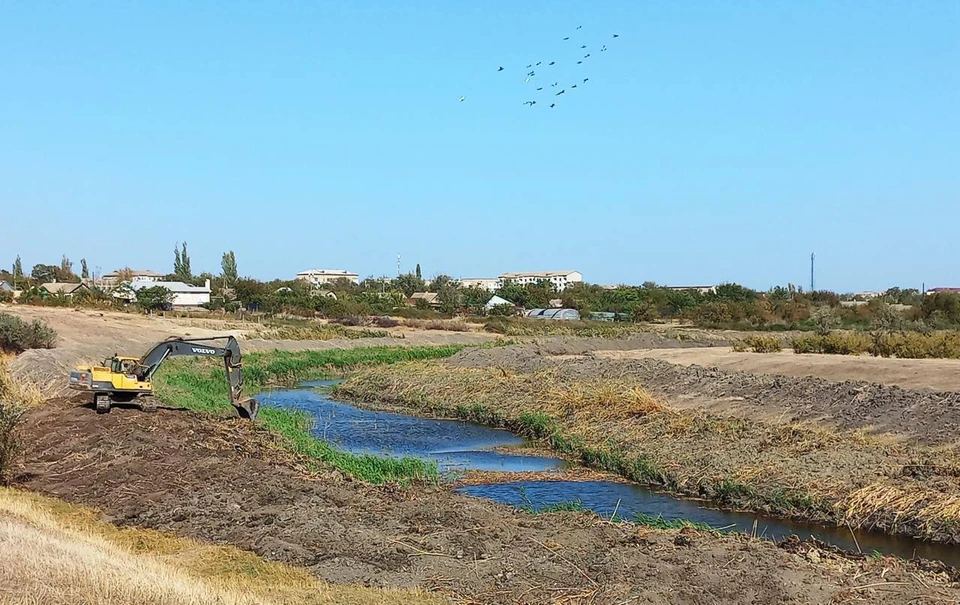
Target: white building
(115,277)
(184,295)
(326,276)
(559,279)
(490,284)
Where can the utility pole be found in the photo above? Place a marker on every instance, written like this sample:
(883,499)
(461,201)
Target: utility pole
(811,271)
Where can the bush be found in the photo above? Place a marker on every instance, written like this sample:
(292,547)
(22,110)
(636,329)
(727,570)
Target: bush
(848,343)
(16,335)
(6,297)
(385,322)
(11,415)
(764,344)
(808,343)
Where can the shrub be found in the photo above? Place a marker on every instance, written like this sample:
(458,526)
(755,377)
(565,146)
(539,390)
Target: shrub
(11,415)
(739,347)
(849,343)
(5,296)
(16,335)
(808,343)
(385,322)
(764,344)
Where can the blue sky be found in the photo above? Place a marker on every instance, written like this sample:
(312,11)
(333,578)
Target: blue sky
(713,142)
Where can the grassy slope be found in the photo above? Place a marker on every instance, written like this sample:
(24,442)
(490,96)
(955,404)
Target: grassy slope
(53,552)
(199,384)
(611,423)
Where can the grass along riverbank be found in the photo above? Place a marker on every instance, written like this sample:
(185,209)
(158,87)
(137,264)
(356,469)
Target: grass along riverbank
(200,385)
(791,470)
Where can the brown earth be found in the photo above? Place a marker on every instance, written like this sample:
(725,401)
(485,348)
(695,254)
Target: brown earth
(921,416)
(936,374)
(227,482)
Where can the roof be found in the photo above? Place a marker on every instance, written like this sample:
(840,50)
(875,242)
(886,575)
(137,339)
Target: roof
(430,297)
(62,287)
(339,272)
(943,290)
(5,286)
(173,286)
(497,301)
(136,273)
(536,274)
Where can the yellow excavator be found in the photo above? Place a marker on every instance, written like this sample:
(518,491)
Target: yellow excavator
(129,379)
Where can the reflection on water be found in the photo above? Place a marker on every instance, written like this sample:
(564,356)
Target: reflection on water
(457,445)
(453,444)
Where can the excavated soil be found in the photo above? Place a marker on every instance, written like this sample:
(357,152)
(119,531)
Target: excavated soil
(923,416)
(225,481)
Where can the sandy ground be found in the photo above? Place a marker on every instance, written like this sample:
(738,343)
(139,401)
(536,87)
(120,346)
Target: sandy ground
(225,482)
(87,336)
(937,374)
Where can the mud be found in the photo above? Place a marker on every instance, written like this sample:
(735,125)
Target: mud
(920,416)
(227,482)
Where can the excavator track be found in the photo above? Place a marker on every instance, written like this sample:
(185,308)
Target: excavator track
(148,403)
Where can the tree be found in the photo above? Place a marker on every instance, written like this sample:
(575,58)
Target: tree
(449,296)
(84,272)
(409,283)
(44,273)
(438,282)
(125,275)
(65,272)
(181,264)
(825,319)
(17,271)
(419,274)
(228,264)
(156,298)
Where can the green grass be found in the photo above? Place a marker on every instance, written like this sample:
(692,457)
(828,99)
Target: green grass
(201,385)
(659,522)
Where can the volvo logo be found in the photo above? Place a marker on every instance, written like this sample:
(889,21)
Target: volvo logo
(201,351)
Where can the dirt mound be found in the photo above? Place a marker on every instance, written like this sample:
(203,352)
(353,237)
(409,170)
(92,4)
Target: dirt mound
(225,482)
(920,415)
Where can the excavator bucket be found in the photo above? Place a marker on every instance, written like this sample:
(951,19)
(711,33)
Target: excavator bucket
(247,408)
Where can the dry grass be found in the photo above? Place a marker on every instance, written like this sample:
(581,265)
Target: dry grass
(785,468)
(52,552)
(15,391)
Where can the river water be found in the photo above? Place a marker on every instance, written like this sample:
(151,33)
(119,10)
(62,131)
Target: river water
(458,446)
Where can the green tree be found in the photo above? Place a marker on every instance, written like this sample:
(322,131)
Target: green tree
(228,264)
(65,272)
(449,297)
(44,273)
(419,274)
(408,283)
(181,264)
(156,298)
(438,282)
(17,271)
(84,272)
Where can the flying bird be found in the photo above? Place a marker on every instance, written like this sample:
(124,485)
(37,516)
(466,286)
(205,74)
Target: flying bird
(585,80)
(552,63)
(574,86)
(586,55)
(530,103)
(539,62)
(501,68)
(579,26)
(584,46)
(554,84)
(567,38)
(462,99)
(603,48)
(579,62)
(531,73)
(616,35)
(560,93)
(541,88)
(552,105)
(529,66)
(527,80)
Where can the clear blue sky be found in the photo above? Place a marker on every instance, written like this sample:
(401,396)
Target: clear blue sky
(713,142)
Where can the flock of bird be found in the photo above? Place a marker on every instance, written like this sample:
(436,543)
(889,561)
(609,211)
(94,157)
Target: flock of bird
(540,69)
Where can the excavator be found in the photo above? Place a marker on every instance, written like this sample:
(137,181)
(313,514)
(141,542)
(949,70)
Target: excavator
(129,379)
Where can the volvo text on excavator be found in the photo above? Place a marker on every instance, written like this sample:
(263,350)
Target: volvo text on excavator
(129,379)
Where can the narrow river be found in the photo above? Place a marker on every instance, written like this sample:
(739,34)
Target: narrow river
(458,446)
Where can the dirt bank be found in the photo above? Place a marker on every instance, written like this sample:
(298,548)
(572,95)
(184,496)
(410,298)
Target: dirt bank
(223,481)
(919,416)
(934,374)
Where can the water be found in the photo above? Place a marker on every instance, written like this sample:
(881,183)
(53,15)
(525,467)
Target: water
(454,445)
(601,497)
(457,446)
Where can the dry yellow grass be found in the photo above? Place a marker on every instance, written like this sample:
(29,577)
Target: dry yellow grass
(53,552)
(17,391)
(934,510)
(600,400)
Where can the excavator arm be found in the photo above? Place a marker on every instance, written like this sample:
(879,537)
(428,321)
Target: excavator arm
(203,347)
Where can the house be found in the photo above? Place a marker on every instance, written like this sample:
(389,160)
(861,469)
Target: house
(943,291)
(5,287)
(184,295)
(64,288)
(490,284)
(559,279)
(326,276)
(430,298)
(113,278)
(496,301)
